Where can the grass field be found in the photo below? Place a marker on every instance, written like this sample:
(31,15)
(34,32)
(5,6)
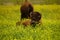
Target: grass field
(48,30)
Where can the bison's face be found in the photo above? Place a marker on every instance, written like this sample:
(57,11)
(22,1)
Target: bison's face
(35,16)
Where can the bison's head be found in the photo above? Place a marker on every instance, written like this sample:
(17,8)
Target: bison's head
(35,17)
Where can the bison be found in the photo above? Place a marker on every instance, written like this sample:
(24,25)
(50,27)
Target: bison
(35,18)
(25,9)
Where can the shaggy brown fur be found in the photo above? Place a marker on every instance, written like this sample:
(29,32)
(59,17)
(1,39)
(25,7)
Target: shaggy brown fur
(25,9)
(25,22)
(35,17)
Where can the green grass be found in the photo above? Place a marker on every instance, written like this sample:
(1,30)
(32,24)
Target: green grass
(48,30)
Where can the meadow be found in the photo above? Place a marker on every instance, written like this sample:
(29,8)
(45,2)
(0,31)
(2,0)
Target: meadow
(48,30)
